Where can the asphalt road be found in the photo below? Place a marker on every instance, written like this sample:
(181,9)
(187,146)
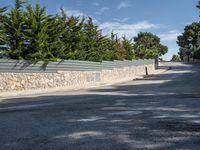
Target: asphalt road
(156,113)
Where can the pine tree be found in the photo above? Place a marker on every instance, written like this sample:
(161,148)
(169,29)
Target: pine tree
(33,35)
(112,45)
(107,49)
(2,30)
(92,42)
(191,32)
(42,38)
(14,30)
(147,45)
(120,52)
(3,39)
(128,47)
(55,31)
(72,36)
(162,49)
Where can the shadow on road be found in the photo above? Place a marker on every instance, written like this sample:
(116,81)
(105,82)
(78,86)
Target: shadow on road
(155,113)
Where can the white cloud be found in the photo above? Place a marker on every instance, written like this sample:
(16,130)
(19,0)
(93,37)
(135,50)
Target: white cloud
(130,30)
(120,27)
(169,36)
(102,10)
(95,4)
(123,4)
(78,13)
(75,13)
(121,20)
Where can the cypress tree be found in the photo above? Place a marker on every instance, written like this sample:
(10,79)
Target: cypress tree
(120,52)
(55,31)
(42,38)
(72,36)
(92,42)
(112,45)
(3,39)
(2,30)
(14,30)
(107,49)
(128,47)
(31,34)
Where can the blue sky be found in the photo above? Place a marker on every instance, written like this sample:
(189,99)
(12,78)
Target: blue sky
(165,18)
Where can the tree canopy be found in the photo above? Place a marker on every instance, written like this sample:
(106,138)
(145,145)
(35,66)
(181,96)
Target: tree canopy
(2,31)
(189,40)
(28,32)
(147,45)
(176,58)
(13,27)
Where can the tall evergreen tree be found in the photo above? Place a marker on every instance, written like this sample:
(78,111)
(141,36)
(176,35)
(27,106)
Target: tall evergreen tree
(55,31)
(42,35)
(33,35)
(106,48)
(14,30)
(92,42)
(120,52)
(3,39)
(72,36)
(2,30)
(111,49)
(128,47)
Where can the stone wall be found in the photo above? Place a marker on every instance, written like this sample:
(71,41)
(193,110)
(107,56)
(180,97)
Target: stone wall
(68,79)
(127,73)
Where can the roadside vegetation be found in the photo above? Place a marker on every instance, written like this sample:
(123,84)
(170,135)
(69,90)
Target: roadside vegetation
(28,32)
(176,58)
(189,41)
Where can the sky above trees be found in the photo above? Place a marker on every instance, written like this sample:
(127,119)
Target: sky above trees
(166,19)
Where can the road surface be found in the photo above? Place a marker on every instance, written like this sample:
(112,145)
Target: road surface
(155,113)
